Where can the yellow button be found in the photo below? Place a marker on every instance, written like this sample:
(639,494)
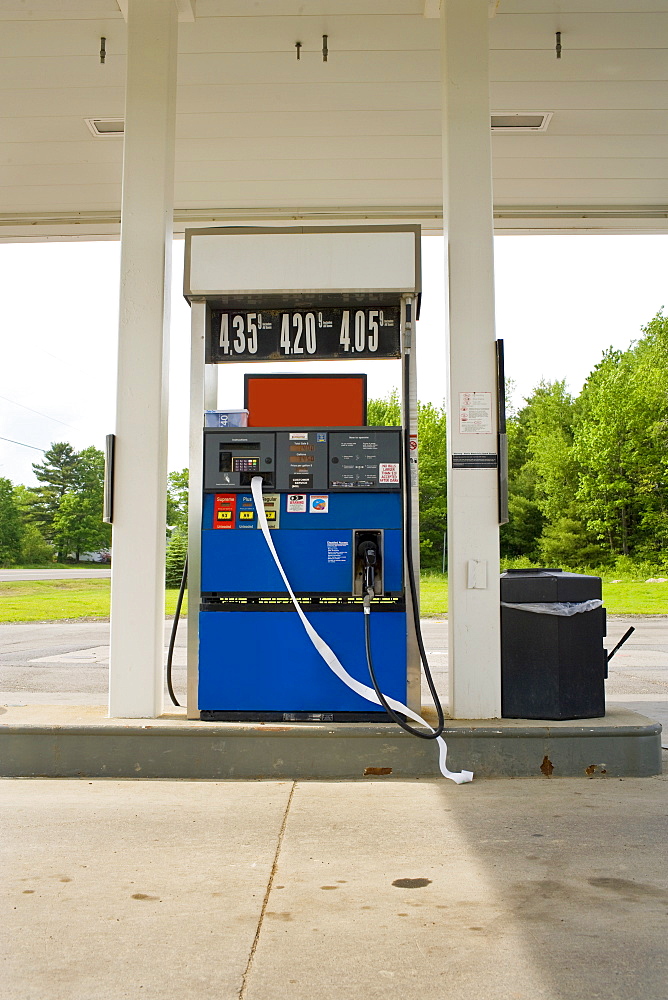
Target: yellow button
(224,515)
(271,515)
(247,515)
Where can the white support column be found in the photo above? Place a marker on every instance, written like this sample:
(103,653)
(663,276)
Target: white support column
(473,536)
(203,396)
(138,566)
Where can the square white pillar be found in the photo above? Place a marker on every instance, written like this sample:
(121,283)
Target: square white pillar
(138,554)
(203,396)
(473,535)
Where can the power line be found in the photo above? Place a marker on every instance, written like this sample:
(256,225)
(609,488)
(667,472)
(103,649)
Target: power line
(43,450)
(69,365)
(38,412)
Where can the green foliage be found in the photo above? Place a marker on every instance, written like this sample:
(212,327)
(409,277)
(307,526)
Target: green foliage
(622,445)
(177,499)
(433,488)
(66,510)
(58,470)
(35,550)
(177,550)
(548,419)
(595,467)
(57,473)
(525,523)
(77,525)
(433,594)
(384,412)
(566,540)
(10,525)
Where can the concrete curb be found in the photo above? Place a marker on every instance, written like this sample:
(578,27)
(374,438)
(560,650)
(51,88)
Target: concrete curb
(623,744)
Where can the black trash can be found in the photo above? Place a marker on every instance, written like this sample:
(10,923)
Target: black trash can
(553,662)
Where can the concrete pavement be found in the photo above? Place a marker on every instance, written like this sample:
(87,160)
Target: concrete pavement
(66,663)
(530,889)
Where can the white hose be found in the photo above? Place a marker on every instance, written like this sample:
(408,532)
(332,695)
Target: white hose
(330,658)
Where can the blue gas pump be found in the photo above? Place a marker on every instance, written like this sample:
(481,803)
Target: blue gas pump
(338,541)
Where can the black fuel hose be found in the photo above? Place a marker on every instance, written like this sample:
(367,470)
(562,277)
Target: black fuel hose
(172,636)
(408,511)
(420,733)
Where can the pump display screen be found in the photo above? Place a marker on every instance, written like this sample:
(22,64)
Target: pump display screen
(297,335)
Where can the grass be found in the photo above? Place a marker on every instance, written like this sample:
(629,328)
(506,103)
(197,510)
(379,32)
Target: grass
(53,600)
(633,597)
(433,594)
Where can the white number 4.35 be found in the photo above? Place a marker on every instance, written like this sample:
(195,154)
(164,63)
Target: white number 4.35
(245,334)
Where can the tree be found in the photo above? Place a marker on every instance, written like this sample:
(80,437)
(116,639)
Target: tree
(621,444)
(433,489)
(177,550)
(35,550)
(177,498)
(77,525)
(67,509)
(10,525)
(58,473)
(519,537)
(385,412)
(548,481)
(34,547)
(548,419)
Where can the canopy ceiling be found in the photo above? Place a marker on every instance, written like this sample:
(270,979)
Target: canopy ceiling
(263,136)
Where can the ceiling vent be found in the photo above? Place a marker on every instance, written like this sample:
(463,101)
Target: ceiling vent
(106,128)
(520,121)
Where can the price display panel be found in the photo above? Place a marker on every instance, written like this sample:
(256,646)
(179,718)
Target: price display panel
(301,335)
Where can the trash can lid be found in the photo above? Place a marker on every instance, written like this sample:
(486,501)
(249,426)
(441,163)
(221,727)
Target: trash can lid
(537,584)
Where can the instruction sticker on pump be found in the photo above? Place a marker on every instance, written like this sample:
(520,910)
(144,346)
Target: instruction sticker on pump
(337,551)
(296,503)
(388,472)
(272,509)
(318,504)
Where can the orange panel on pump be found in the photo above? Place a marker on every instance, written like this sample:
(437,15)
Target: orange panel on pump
(306,400)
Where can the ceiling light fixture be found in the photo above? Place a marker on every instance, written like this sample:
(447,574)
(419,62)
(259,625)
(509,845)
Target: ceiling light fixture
(520,121)
(106,128)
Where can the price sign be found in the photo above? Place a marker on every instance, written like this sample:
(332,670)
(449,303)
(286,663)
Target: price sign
(298,335)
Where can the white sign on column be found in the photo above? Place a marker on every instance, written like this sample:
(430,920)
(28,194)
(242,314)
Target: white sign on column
(475,413)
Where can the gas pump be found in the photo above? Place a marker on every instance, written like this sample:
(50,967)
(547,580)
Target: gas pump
(301,536)
(340,539)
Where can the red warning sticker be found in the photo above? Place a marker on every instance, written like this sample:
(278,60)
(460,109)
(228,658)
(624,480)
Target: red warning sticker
(388,472)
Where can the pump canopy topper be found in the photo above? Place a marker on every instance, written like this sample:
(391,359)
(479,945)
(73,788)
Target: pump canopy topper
(297,335)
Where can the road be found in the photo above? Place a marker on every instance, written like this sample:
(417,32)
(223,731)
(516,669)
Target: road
(85,573)
(68,663)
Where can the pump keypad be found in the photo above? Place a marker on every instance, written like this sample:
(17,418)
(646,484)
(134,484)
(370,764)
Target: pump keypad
(245,464)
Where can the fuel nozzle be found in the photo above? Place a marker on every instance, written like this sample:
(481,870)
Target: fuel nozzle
(368,553)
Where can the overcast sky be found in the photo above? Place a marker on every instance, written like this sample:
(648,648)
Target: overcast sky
(561,301)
